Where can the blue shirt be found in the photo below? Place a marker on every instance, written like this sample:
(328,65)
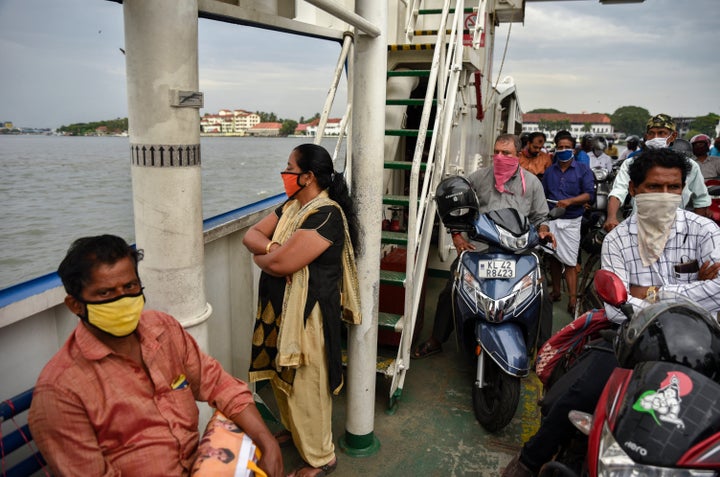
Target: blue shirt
(583,158)
(576,180)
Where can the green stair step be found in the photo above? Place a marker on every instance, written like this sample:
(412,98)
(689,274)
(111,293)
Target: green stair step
(405,165)
(406,132)
(394,238)
(383,364)
(396,200)
(409,73)
(392,278)
(408,102)
(390,321)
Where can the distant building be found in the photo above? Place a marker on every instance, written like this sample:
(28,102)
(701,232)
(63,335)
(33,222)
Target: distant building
(236,122)
(8,125)
(302,130)
(332,127)
(579,123)
(265,129)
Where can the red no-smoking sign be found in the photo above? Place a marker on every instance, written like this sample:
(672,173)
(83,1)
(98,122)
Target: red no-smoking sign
(470,20)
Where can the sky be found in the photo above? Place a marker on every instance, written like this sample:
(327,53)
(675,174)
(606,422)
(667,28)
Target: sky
(60,61)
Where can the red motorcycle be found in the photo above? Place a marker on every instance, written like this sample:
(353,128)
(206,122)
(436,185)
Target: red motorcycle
(713,187)
(659,414)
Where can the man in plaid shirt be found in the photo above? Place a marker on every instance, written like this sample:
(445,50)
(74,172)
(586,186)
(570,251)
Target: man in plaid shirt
(660,247)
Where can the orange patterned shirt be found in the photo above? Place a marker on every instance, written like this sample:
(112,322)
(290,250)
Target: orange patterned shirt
(96,413)
(536,165)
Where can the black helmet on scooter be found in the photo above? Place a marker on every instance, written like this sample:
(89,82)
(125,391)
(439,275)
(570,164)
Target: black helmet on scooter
(457,203)
(592,242)
(672,331)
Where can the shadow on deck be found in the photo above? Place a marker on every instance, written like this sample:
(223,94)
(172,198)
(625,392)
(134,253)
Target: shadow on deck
(433,431)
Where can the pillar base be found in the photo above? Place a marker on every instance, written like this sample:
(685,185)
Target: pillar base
(359,446)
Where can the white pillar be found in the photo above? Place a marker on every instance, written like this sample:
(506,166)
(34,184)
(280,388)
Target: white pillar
(161,45)
(368,135)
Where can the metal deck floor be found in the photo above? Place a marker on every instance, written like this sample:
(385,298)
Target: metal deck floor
(433,431)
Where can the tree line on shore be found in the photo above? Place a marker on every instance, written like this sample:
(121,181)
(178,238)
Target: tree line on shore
(627,119)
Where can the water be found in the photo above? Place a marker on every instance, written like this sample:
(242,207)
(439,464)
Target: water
(55,189)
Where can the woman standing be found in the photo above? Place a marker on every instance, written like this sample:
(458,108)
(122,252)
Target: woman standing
(307,286)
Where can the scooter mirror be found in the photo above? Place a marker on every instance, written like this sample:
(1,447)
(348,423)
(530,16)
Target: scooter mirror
(610,288)
(557,212)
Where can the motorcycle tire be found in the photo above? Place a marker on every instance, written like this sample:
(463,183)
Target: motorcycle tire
(495,403)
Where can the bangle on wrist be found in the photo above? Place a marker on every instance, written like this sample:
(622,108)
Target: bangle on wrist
(269,244)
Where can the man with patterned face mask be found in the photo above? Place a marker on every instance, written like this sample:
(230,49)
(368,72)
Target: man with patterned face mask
(119,398)
(660,133)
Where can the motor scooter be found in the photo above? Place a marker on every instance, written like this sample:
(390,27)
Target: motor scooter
(497,296)
(659,413)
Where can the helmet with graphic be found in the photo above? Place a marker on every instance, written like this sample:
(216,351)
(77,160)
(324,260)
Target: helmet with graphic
(632,142)
(457,203)
(599,144)
(673,330)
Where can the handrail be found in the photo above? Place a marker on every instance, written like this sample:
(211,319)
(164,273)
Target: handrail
(347,41)
(347,16)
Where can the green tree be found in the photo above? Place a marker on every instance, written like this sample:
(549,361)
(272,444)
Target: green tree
(288,127)
(563,124)
(545,111)
(705,124)
(630,119)
(587,127)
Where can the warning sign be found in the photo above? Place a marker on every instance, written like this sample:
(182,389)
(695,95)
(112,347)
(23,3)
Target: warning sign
(470,20)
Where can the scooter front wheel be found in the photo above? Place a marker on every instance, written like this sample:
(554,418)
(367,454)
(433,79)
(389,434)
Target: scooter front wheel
(495,403)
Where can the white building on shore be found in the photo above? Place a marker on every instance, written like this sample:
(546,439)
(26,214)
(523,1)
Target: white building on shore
(580,124)
(236,122)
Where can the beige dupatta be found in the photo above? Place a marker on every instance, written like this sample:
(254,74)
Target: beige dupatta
(289,342)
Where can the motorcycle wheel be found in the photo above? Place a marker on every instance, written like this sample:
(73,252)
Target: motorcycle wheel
(496,403)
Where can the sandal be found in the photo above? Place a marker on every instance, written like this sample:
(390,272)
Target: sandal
(283,438)
(326,469)
(571,308)
(555,296)
(424,350)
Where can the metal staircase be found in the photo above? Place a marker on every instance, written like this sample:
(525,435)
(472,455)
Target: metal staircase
(445,75)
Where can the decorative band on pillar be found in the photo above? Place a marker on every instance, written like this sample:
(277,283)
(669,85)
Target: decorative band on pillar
(165,155)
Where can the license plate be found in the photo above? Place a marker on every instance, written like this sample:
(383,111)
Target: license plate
(496,269)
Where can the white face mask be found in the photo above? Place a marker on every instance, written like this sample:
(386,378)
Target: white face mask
(655,216)
(657,143)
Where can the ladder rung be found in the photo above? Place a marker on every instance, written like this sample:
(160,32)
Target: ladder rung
(406,165)
(409,73)
(437,11)
(390,321)
(408,102)
(394,238)
(406,132)
(408,47)
(383,364)
(396,200)
(388,277)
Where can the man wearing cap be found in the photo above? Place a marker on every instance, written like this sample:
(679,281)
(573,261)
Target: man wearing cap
(660,132)
(709,165)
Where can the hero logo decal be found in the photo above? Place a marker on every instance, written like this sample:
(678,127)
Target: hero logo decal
(664,404)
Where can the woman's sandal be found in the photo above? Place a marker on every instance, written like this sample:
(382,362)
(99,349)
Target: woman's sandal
(326,469)
(555,296)
(424,350)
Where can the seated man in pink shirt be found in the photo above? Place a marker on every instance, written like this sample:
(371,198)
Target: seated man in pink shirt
(119,397)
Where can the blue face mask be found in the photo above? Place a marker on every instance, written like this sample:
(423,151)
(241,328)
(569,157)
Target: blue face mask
(564,155)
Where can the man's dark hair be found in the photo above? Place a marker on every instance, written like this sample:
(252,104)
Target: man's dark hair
(662,157)
(227,457)
(563,134)
(88,252)
(535,134)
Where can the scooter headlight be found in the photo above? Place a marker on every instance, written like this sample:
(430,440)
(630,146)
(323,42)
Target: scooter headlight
(496,310)
(614,462)
(511,242)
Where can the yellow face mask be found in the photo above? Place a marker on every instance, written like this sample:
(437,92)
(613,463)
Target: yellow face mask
(118,316)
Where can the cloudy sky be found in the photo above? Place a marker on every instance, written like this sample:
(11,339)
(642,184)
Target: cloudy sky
(61,63)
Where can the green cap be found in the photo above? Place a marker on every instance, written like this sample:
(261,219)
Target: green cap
(661,121)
